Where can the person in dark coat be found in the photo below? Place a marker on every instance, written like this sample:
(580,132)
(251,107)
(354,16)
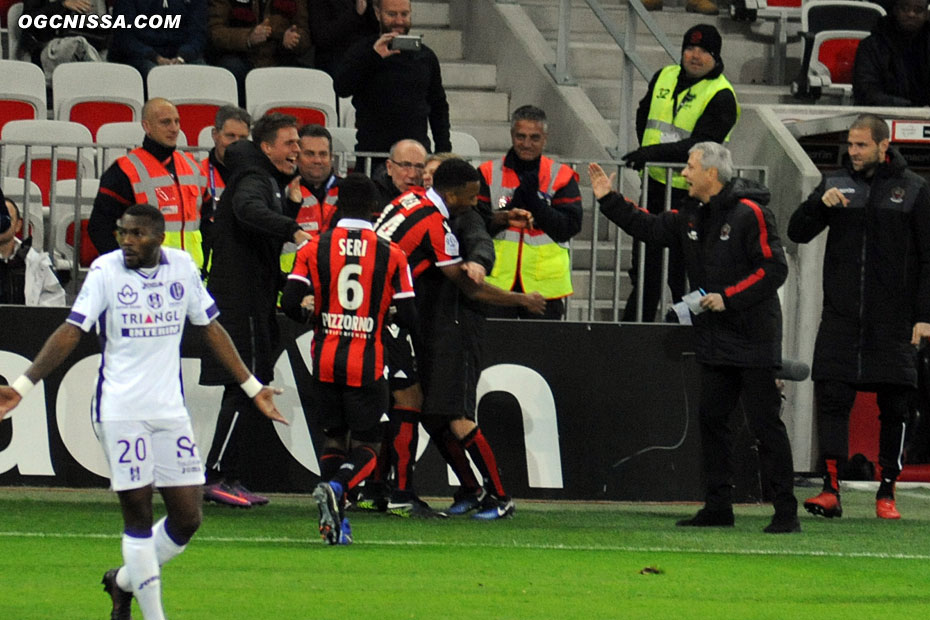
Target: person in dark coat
(253,220)
(335,25)
(876,301)
(892,66)
(735,260)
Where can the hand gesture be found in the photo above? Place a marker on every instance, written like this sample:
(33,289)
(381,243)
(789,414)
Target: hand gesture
(301,236)
(519,218)
(600,182)
(293,190)
(264,400)
(9,398)
(260,33)
(475,271)
(381,45)
(78,6)
(920,332)
(291,38)
(833,197)
(534,302)
(713,302)
(635,159)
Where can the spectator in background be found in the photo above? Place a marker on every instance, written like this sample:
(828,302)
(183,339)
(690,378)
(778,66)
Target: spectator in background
(876,301)
(230,125)
(396,94)
(316,189)
(533,208)
(335,25)
(403,170)
(432,162)
(50,47)
(247,34)
(26,276)
(685,103)
(893,63)
(253,220)
(157,174)
(144,48)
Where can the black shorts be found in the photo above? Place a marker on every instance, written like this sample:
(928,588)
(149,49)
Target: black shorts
(401,363)
(356,409)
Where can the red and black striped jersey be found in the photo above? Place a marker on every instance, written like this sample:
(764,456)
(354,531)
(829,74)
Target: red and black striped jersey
(416,224)
(354,275)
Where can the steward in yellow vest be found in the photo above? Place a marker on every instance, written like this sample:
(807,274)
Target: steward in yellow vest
(534,208)
(685,103)
(156,174)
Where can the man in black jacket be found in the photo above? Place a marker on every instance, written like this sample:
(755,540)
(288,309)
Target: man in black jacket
(733,256)
(253,220)
(395,93)
(876,301)
(892,65)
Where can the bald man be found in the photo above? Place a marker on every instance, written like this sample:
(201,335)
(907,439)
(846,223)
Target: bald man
(157,174)
(402,170)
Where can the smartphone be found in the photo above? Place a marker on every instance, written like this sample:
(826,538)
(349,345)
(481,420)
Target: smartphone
(406,43)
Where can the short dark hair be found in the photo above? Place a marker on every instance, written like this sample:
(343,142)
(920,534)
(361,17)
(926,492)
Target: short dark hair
(231,113)
(148,212)
(358,196)
(15,206)
(316,131)
(530,113)
(454,173)
(266,128)
(875,124)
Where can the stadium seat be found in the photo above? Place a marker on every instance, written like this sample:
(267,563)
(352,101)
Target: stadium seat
(45,133)
(205,138)
(819,16)
(116,139)
(305,93)
(465,144)
(22,92)
(30,206)
(62,219)
(94,93)
(14,32)
(346,112)
(832,59)
(198,91)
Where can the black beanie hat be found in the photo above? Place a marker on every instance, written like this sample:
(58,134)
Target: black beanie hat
(705,36)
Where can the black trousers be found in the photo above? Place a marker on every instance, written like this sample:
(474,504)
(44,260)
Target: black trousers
(722,388)
(652,284)
(225,458)
(835,401)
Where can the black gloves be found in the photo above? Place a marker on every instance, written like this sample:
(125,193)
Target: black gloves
(636,159)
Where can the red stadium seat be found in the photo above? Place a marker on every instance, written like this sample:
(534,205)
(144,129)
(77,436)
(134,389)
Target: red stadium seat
(94,93)
(198,91)
(306,93)
(22,92)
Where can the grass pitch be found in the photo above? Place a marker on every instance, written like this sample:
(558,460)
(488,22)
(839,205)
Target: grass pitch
(553,560)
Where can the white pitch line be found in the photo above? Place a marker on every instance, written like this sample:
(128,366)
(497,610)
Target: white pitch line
(514,545)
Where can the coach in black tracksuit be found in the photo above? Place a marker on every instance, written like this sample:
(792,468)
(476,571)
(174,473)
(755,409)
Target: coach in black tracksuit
(876,300)
(732,251)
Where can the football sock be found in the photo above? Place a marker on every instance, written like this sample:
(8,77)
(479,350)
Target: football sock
(383,467)
(360,464)
(885,489)
(453,452)
(404,423)
(831,480)
(330,462)
(167,548)
(142,566)
(481,454)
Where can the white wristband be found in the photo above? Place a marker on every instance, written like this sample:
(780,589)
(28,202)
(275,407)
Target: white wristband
(251,386)
(22,385)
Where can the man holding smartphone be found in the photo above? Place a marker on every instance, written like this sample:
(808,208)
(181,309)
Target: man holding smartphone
(395,84)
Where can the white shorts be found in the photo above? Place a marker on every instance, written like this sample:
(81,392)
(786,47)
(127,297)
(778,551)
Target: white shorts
(142,452)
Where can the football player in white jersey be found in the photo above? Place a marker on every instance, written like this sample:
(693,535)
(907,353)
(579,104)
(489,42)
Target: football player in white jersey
(138,297)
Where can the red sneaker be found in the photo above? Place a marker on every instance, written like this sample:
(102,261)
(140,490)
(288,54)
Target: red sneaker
(885,509)
(826,504)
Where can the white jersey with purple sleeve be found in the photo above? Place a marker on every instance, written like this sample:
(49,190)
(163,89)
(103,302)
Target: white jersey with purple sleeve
(139,314)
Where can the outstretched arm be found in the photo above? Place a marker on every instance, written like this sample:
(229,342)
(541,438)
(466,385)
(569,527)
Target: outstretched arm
(490,294)
(55,350)
(222,346)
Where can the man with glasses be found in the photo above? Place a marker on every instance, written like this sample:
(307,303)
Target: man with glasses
(403,170)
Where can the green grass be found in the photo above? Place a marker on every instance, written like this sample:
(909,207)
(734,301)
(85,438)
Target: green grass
(554,560)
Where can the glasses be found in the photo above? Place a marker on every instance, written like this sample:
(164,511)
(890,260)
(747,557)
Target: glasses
(407,165)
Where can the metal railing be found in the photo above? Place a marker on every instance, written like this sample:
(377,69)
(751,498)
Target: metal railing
(626,40)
